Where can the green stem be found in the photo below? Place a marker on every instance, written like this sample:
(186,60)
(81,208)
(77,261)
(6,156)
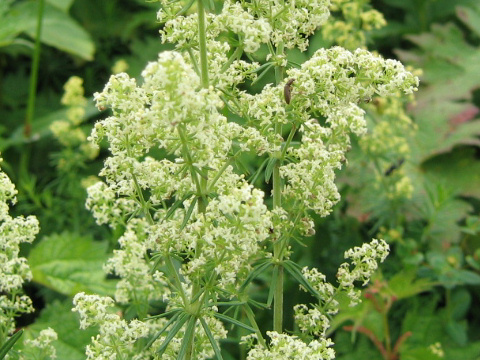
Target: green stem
(32,92)
(277,202)
(202,43)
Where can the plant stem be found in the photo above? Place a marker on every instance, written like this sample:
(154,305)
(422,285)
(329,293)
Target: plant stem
(201,185)
(34,74)
(277,202)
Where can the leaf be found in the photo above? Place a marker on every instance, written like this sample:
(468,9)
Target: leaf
(69,263)
(216,349)
(458,332)
(470,16)
(5,348)
(63,5)
(461,170)
(171,334)
(187,338)
(293,269)
(71,340)
(443,106)
(234,321)
(405,284)
(59,29)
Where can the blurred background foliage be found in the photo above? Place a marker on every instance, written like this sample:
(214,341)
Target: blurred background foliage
(414,180)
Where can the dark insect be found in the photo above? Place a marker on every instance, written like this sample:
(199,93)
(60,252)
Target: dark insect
(287,91)
(394,167)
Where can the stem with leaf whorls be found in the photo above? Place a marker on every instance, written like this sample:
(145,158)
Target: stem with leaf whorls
(202,185)
(277,202)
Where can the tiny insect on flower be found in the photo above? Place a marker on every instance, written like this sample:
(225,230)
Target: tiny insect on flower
(287,91)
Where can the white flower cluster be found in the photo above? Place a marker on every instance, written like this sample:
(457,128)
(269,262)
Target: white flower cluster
(14,269)
(349,22)
(286,347)
(365,261)
(40,347)
(116,336)
(129,263)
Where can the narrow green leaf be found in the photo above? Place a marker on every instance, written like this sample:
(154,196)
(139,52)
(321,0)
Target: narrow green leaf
(261,76)
(269,169)
(157,335)
(216,349)
(189,213)
(187,338)
(69,263)
(171,334)
(256,174)
(185,8)
(176,205)
(294,270)
(167,313)
(271,291)
(258,305)
(234,321)
(5,348)
(259,268)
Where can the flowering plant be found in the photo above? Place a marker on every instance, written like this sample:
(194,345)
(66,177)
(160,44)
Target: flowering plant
(198,231)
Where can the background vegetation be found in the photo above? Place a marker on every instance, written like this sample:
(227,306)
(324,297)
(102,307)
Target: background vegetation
(415,181)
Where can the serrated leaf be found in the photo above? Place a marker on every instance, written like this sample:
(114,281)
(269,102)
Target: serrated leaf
(405,284)
(69,263)
(470,16)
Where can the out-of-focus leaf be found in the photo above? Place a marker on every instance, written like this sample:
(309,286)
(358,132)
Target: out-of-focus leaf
(458,332)
(406,284)
(460,169)
(69,263)
(71,340)
(59,29)
(470,16)
(443,111)
(63,5)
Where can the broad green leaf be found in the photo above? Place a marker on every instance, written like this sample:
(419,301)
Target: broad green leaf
(71,340)
(405,284)
(59,30)
(63,5)
(69,263)
(458,332)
